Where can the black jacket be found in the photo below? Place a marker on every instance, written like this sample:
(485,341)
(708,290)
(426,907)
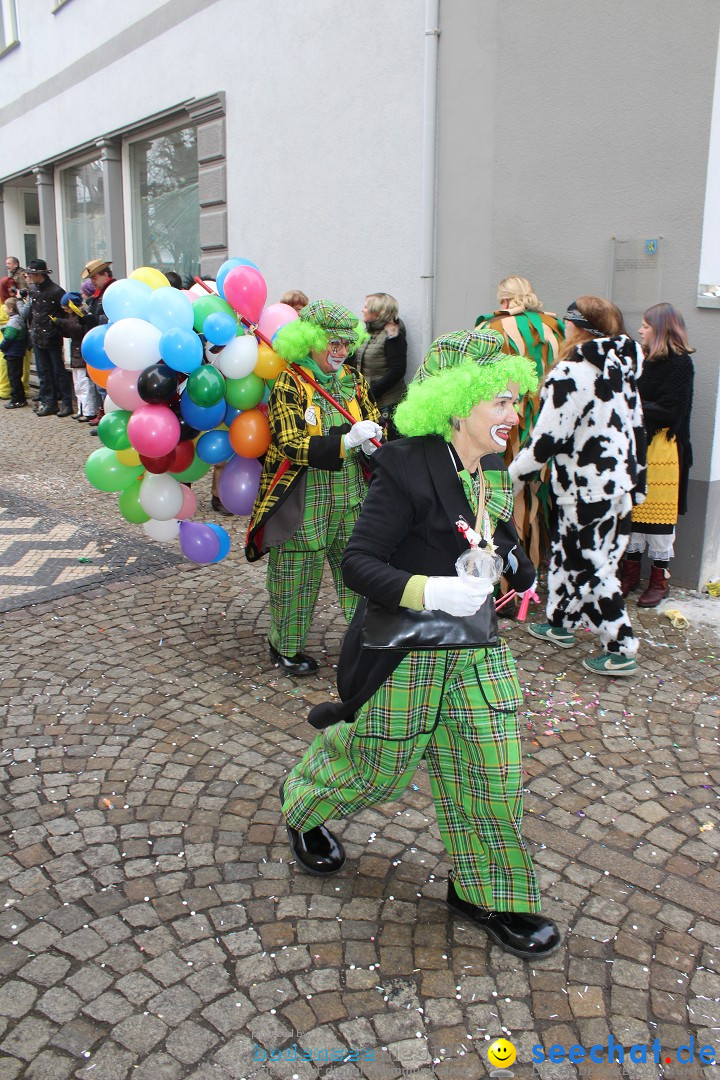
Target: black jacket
(407,527)
(44,302)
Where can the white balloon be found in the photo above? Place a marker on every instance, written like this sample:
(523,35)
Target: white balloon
(162,530)
(161,496)
(109,405)
(133,344)
(238,358)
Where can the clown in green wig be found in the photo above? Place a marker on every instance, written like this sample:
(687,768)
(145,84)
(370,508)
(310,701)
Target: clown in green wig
(459,370)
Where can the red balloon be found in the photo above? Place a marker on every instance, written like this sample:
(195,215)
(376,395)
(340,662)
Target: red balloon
(250,431)
(183,456)
(158,464)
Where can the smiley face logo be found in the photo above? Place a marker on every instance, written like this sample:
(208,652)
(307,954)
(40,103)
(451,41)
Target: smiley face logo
(501,1053)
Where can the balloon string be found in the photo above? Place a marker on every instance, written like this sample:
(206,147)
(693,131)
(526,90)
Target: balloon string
(298,370)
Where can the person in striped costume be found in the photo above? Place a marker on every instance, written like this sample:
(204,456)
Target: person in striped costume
(529,331)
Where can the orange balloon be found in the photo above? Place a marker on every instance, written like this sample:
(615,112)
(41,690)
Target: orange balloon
(269,364)
(250,434)
(99,375)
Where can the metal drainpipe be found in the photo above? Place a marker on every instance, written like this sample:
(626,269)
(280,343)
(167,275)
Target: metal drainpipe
(429,175)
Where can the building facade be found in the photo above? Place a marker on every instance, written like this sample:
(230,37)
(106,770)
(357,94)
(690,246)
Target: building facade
(426,149)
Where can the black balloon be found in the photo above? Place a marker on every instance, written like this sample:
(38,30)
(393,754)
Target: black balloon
(157,384)
(186,432)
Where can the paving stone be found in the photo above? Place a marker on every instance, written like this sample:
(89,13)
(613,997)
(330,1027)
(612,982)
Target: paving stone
(27,1038)
(189,1042)
(140,1033)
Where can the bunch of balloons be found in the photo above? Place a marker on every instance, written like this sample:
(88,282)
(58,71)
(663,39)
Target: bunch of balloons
(186,390)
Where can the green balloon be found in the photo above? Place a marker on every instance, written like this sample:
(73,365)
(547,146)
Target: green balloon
(245,393)
(112,430)
(129,504)
(194,471)
(206,386)
(106,473)
(207,305)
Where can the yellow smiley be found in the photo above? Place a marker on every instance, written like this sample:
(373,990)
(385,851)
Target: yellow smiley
(501,1053)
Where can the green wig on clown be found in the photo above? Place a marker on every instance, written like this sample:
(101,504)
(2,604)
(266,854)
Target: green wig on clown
(459,370)
(319,323)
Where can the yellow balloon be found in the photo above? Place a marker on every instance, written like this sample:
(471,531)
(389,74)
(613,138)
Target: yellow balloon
(269,364)
(150,276)
(128,457)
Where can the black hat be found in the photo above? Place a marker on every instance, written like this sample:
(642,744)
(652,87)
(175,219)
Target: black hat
(37,266)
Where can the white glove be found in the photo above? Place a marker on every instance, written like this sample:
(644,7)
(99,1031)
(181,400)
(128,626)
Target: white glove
(361,432)
(456,596)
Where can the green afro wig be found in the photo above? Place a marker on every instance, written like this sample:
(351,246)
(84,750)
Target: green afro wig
(459,370)
(319,323)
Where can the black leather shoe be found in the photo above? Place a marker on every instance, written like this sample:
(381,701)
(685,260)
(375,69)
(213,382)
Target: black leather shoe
(518,932)
(299,664)
(317,851)
(15,405)
(46,410)
(219,508)
(65,410)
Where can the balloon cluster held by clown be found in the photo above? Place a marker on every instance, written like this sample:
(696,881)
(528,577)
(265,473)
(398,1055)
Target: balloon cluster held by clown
(177,405)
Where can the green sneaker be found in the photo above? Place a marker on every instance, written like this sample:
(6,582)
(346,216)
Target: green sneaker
(564,638)
(613,664)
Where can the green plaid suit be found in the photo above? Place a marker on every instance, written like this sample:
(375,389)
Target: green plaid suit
(457,709)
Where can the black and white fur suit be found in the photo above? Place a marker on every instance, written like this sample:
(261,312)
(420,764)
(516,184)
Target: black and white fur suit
(591,426)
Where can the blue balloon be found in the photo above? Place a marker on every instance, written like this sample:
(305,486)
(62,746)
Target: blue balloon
(219,328)
(223,538)
(200,418)
(168,308)
(214,447)
(93,348)
(126,299)
(231,414)
(181,350)
(225,269)
(266,393)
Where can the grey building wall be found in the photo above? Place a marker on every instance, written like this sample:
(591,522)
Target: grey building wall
(560,128)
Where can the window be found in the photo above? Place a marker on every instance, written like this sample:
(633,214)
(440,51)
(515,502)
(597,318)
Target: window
(31,232)
(83,217)
(166,206)
(8,25)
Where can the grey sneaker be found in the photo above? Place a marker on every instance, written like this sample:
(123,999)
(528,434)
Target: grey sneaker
(564,638)
(611,664)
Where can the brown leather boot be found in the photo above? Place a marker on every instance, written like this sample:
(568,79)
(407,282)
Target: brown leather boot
(629,575)
(657,589)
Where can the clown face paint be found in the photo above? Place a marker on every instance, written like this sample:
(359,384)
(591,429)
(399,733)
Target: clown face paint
(487,429)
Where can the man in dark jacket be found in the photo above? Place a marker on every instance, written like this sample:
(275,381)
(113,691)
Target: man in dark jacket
(41,313)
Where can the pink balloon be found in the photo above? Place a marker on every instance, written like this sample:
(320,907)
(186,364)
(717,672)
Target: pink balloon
(189,505)
(246,291)
(154,430)
(275,316)
(124,390)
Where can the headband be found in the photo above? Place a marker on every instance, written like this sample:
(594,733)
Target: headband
(578,319)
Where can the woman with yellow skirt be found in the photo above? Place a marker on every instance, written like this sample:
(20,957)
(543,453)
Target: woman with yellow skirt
(666,390)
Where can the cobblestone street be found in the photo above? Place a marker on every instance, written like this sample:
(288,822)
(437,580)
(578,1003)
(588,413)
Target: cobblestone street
(151,923)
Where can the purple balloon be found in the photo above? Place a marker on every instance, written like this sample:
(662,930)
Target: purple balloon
(238,484)
(198,542)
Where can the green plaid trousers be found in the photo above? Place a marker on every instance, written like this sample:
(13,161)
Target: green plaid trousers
(458,710)
(294,574)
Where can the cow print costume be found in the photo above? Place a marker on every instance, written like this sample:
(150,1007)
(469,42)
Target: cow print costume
(591,426)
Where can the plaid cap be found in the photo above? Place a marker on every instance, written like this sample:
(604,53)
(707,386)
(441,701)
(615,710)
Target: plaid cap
(334,319)
(482,346)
